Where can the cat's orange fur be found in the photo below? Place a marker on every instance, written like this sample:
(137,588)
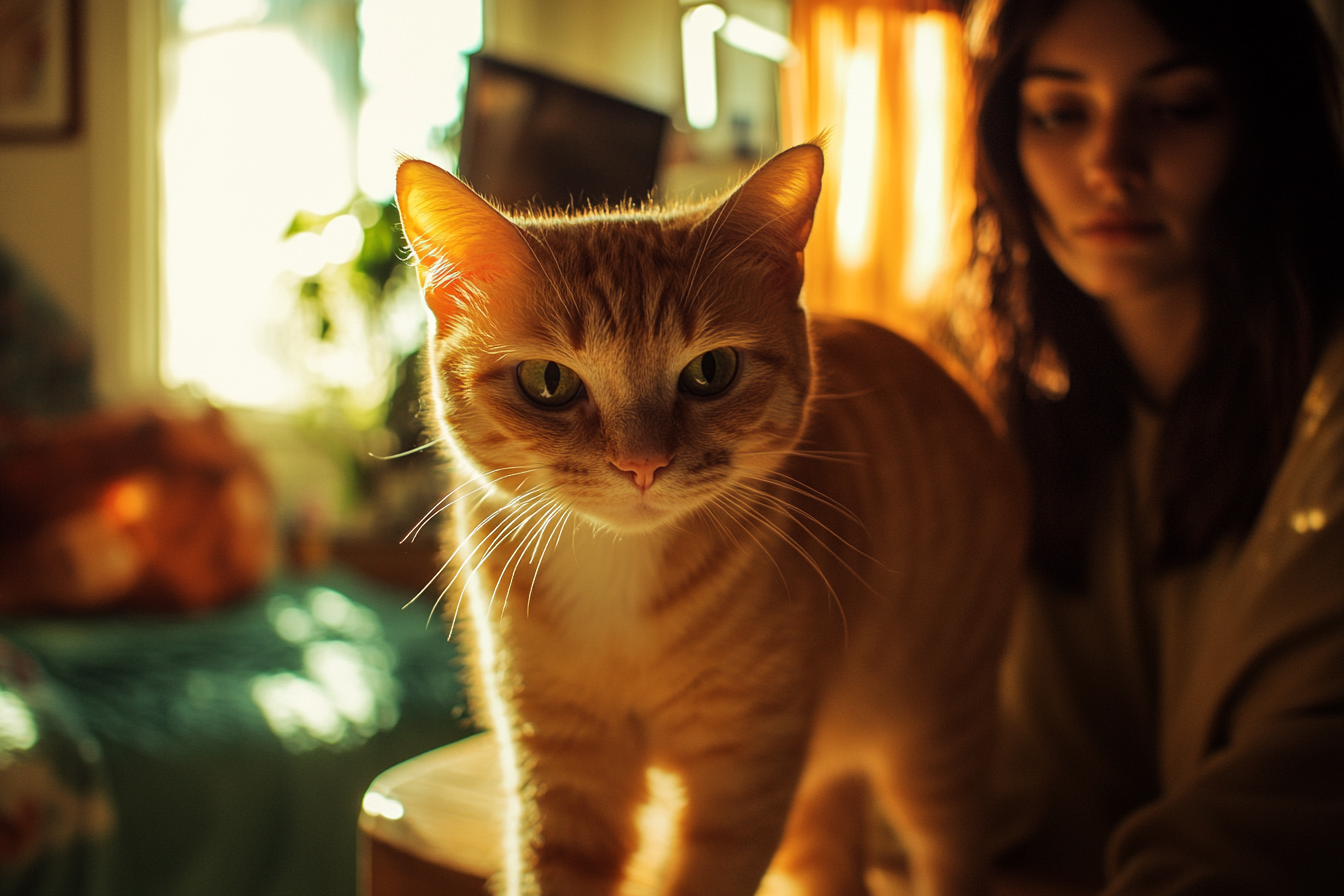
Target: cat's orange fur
(777,593)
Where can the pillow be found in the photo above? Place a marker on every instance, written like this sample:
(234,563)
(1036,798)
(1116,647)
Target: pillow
(143,508)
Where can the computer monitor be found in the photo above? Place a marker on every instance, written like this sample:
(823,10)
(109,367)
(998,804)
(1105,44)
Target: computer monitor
(532,139)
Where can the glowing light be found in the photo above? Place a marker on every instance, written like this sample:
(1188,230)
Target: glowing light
(926,37)
(340,614)
(254,137)
(128,500)
(340,669)
(657,822)
(1305,521)
(377,804)
(293,705)
(294,624)
(757,39)
(307,253)
(346,692)
(413,69)
(858,152)
(18,730)
(698,67)
(342,239)
(304,254)
(205,15)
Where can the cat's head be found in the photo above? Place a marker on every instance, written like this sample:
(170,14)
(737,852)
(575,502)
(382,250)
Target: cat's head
(632,365)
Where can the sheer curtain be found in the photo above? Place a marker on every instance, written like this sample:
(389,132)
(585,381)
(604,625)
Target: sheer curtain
(885,83)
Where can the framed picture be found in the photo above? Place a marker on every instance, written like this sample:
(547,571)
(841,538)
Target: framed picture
(38,69)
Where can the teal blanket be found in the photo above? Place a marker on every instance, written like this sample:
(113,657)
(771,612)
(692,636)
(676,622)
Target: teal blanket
(221,754)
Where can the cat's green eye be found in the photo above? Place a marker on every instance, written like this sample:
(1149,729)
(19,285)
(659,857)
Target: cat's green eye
(547,383)
(710,373)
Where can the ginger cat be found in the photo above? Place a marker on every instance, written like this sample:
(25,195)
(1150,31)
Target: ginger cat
(701,530)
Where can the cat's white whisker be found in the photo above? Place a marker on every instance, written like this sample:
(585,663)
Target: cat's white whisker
(449,500)
(538,559)
(849,457)
(794,511)
(789,484)
(490,543)
(799,516)
(446,563)
(416,450)
(473,547)
(511,532)
(779,531)
(555,510)
(547,510)
(721,500)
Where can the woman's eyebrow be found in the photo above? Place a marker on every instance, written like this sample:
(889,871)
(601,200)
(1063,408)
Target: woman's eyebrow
(1053,73)
(1157,70)
(1174,64)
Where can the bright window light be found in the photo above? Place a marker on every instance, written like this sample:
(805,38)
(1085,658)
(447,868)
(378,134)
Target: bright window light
(206,15)
(412,67)
(926,37)
(255,136)
(858,145)
(273,113)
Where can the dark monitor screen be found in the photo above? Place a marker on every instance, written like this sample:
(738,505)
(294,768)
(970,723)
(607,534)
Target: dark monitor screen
(533,139)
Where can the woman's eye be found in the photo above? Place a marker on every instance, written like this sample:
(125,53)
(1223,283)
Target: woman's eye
(1186,112)
(710,373)
(548,383)
(1055,118)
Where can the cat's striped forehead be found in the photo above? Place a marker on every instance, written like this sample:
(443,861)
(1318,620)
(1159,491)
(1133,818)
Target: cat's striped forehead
(626,277)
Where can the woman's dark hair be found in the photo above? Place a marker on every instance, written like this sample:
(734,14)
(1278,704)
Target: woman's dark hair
(1276,277)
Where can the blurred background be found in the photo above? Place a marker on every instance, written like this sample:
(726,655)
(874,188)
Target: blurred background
(215,218)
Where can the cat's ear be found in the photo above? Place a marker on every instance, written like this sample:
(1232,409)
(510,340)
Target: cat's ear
(464,249)
(774,207)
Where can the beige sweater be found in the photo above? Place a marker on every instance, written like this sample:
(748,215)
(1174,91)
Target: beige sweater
(1185,732)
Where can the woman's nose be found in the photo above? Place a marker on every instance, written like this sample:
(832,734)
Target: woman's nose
(1117,164)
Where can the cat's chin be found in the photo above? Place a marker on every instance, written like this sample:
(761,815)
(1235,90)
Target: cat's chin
(634,519)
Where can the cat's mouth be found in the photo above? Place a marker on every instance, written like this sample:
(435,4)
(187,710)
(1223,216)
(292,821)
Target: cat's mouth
(626,508)
(635,513)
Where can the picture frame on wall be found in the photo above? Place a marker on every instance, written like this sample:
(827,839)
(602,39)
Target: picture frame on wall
(38,70)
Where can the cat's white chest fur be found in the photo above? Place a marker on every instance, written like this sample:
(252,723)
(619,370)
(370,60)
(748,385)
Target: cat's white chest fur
(598,585)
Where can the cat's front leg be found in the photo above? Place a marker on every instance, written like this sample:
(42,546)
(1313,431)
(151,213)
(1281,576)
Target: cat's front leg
(738,791)
(585,780)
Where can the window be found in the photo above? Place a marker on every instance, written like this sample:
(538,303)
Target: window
(281,124)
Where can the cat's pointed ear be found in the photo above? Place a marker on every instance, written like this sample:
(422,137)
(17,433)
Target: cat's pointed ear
(464,249)
(776,204)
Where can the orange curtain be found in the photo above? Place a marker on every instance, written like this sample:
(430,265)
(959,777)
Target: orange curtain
(886,82)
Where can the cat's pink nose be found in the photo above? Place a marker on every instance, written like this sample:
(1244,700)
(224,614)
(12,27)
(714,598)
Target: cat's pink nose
(642,469)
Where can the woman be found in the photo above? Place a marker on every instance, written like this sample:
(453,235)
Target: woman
(1163,222)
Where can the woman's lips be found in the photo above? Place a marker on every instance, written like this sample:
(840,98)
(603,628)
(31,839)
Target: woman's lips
(1120,228)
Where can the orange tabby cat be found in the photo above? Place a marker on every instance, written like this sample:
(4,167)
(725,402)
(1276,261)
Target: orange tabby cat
(701,530)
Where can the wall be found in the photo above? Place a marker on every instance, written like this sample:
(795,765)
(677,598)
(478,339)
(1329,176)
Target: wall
(80,213)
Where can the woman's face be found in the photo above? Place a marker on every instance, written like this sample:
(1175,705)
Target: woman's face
(1124,140)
